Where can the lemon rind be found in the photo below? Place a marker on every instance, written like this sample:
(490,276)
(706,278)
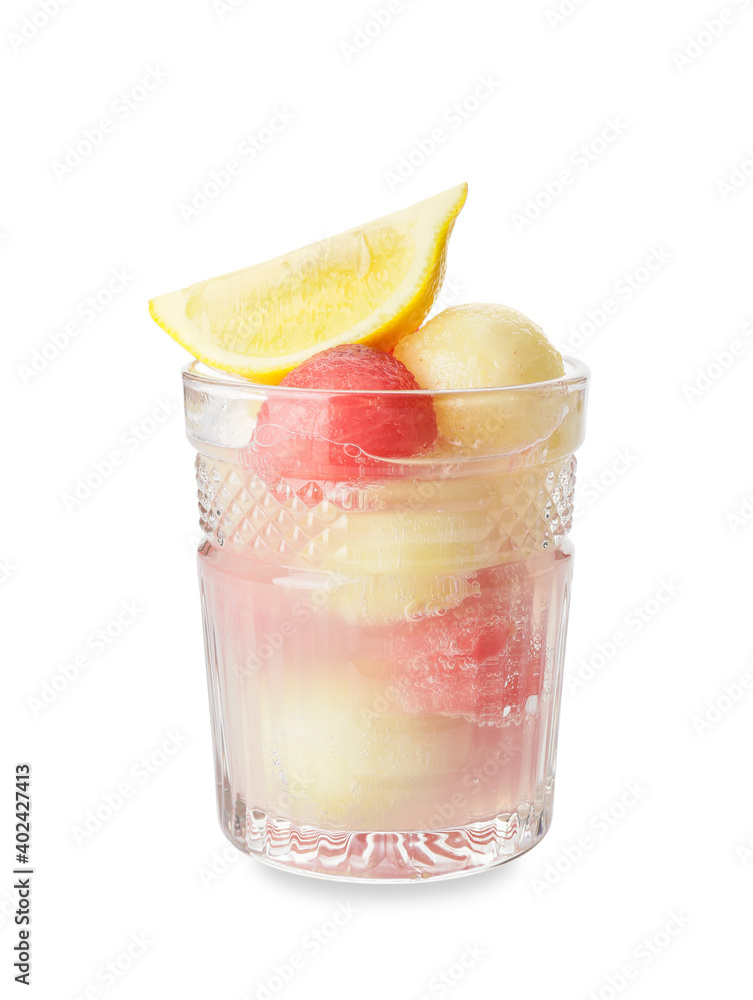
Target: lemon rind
(382,328)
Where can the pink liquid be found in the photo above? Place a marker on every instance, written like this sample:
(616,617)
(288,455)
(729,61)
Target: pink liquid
(384,744)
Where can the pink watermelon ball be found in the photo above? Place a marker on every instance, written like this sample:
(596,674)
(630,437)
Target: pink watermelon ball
(323,435)
(482,660)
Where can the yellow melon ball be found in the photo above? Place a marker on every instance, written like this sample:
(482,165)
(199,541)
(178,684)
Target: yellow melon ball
(338,752)
(485,346)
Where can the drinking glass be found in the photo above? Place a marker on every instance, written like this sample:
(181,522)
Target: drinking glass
(384,635)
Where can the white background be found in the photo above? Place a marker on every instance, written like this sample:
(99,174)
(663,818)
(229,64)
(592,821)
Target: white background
(552,923)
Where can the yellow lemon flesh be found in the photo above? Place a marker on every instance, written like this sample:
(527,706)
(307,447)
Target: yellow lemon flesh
(370,285)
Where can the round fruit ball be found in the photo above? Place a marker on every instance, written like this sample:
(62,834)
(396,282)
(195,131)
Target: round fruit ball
(485,346)
(337,752)
(326,433)
(484,659)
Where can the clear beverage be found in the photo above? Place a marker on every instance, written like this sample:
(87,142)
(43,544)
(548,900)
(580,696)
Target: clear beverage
(384,655)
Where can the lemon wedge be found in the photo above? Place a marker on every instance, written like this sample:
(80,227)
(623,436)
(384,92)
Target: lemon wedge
(369,285)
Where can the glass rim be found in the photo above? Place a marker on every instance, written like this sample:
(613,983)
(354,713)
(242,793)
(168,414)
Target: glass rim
(198,374)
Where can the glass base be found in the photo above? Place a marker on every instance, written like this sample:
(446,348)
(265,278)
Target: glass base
(386,856)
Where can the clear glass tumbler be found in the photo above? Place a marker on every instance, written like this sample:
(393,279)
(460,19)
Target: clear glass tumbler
(384,634)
